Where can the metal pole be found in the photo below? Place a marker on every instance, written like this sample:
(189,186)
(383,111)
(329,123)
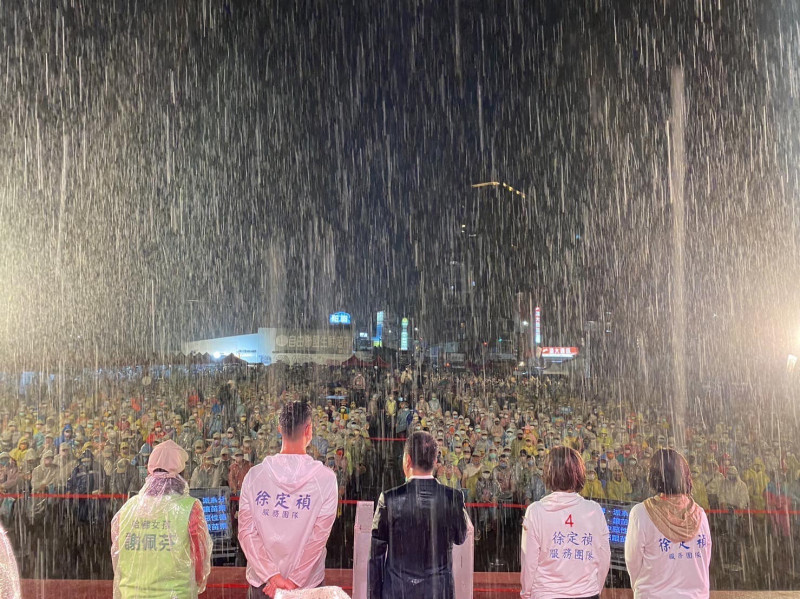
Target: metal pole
(153,312)
(677,169)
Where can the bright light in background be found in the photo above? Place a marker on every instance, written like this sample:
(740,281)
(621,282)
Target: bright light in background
(524,323)
(791,363)
(217,354)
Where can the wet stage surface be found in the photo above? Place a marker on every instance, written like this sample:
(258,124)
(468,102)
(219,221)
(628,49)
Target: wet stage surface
(229,583)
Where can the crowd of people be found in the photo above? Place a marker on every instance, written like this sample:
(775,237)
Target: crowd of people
(493,433)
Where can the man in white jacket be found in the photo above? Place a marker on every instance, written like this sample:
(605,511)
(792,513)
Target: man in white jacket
(287,507)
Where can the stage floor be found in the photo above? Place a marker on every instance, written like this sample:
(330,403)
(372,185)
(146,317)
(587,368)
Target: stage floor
(229,583)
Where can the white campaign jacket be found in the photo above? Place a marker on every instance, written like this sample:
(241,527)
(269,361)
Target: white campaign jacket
(661,568)
(287,507)
(565,550)
(9,575)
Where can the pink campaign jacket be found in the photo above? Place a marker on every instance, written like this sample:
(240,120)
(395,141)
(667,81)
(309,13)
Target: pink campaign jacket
(286,510)
(565,550)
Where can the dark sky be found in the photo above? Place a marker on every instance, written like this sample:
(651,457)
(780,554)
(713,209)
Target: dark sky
(275,161)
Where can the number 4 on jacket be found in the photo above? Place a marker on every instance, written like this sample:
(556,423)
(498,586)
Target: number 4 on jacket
(569,521)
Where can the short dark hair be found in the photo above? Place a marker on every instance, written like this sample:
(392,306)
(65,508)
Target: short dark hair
(670,473)
(564,470)
(422,448)
(294,417)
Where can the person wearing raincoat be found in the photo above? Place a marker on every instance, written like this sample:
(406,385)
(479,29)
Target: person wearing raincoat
(66,437)
(756,480)
(87,478)
(618,488)
(733,493)
(141,459)
(203,477)
(66,462)
(10,481)
(160,545)
(593,489)
(712,479)
(124,479)
(699,493)
(18,453)
(287,508)
(637,477)
(534,489)
(238,470)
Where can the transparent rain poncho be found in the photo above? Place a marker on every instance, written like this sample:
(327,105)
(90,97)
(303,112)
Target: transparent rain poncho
(9,575)
(160,545)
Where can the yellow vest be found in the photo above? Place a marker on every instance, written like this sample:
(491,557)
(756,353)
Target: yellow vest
(155,556)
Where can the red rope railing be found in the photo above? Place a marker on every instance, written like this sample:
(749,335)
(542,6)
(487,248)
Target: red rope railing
(514,506)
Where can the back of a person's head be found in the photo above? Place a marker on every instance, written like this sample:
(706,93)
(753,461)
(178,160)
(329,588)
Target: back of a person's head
(669,473)
(564,470)
(294,417)
(422,449)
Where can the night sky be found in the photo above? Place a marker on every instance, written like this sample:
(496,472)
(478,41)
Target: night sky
(273,162)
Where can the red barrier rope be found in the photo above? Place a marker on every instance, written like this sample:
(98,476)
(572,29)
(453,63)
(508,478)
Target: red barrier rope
(512,506)
(62,496)
(757,512)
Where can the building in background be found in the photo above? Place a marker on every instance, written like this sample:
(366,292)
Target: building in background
(326,345)
(255,348)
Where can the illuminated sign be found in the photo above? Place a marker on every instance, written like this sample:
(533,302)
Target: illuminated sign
(313,342)
(559,352)
(537,325)
(404,335)
(617,521)
(377,341)
(216,510)
(339,318)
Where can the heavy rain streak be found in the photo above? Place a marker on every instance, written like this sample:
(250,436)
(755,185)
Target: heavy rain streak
(514,225)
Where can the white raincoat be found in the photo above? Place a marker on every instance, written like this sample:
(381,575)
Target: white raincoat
(287,507)
(9,575)
(565,550)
